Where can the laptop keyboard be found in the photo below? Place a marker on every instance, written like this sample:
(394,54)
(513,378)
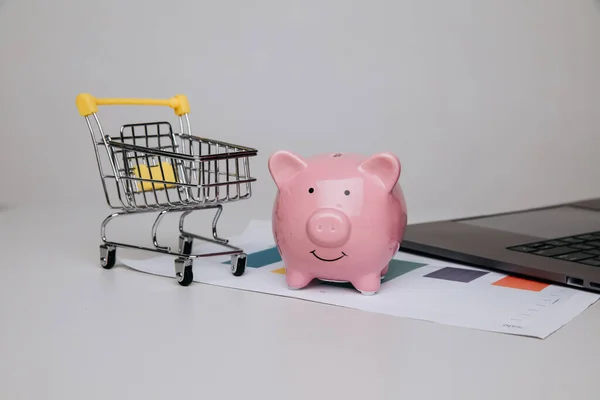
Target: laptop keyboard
(583,249)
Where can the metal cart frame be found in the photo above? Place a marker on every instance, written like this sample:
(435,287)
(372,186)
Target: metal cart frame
(150,168)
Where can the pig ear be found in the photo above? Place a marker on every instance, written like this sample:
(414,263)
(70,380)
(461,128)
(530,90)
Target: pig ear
(384,167)
(283,165)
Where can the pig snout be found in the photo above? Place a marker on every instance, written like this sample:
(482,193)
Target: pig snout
(328,228)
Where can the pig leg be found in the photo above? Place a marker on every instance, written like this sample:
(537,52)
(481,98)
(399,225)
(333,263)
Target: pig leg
(296,279)
(385,270)
(368,284)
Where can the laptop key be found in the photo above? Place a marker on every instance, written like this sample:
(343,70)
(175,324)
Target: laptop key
(595,243)
(524,249)
(595,262)
(555,251)
(595,252)
(535,245)
(574,256)
(542,246)
(572,240)
(587,237)
(556,242)
(582,246)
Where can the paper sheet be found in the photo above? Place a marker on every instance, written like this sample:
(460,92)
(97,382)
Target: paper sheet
(415,287)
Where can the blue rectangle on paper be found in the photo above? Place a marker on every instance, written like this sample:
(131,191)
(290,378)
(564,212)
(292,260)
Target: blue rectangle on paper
(262,258)
(456,274)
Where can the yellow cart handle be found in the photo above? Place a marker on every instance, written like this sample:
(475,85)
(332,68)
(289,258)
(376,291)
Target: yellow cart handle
(88,104)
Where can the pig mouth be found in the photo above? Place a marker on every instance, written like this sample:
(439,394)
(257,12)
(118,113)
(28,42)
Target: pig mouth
(314,253)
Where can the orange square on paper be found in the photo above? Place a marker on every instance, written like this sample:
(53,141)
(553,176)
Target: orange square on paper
(279,271)
(520,283)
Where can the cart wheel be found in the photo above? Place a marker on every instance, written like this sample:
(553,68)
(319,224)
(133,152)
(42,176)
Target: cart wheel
(185,244)
(238,264)
(108,256)
(183,271)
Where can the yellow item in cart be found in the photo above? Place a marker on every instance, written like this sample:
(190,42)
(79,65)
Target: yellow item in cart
(154,172)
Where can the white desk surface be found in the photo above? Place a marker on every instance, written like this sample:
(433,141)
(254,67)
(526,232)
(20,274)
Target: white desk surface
(71,330)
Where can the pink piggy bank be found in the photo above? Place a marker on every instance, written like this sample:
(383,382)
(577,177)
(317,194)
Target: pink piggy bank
(337,217)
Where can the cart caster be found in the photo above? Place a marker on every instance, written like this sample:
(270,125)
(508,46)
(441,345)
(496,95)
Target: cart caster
(238,264)
(183,271)
(108,256)
(185,244)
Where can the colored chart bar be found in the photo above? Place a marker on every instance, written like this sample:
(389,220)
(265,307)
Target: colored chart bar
(520,283)
(456,274)
(400,267)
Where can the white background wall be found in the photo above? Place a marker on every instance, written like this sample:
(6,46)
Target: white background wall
(490,105)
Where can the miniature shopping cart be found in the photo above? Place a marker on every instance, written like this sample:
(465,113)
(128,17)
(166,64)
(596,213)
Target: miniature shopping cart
(150,168)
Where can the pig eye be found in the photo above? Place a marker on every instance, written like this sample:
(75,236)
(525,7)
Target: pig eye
(310,190)
(347,193)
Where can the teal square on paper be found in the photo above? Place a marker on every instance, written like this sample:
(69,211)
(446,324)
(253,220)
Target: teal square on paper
(399,268)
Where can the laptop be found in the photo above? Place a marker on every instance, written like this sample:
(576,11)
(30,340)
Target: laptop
(558,244)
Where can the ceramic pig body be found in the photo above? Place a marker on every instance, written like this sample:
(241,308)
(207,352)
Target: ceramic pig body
(337,217)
